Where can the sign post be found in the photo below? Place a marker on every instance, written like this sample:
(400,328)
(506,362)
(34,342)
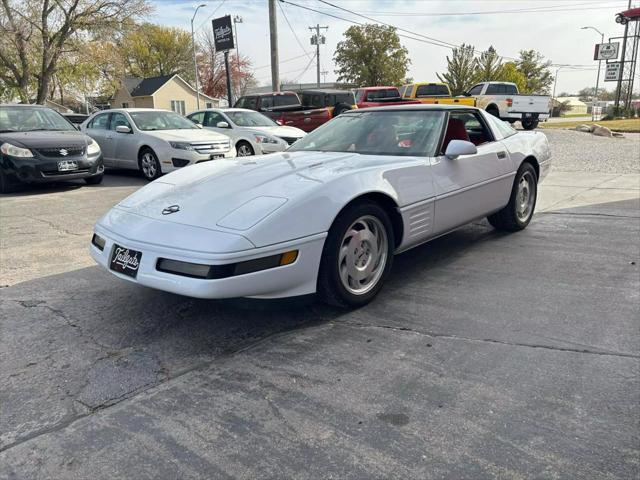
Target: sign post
(223,41)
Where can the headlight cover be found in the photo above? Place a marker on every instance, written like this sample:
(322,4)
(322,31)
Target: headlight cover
(265,139)
(13,151)
(181,146)
(93,148)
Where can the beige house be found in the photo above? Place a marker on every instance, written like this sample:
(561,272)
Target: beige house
(168,92)
(575,105)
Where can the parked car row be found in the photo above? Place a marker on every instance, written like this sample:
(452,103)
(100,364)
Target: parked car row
(311,108)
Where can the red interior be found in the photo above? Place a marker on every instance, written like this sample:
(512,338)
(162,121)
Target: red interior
(455,131)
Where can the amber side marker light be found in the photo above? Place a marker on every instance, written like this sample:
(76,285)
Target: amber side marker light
(288,258)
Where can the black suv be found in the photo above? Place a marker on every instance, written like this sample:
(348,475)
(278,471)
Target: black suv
(37,144)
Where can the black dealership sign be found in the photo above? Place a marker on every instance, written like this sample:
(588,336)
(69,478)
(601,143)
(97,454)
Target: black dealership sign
(223,33)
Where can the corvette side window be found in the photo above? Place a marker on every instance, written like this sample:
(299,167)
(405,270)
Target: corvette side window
(476,129)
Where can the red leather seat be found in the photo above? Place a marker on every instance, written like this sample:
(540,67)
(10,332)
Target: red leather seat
(455,131)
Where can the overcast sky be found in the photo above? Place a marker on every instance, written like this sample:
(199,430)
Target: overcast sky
(554,30)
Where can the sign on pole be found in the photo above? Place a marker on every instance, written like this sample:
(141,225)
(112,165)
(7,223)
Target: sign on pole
(613,72)
(223,33)
(606,51)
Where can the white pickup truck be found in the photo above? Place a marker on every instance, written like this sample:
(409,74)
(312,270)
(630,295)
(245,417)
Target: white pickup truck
(502,100)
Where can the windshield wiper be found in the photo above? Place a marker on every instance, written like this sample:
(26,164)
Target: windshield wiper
(8,130)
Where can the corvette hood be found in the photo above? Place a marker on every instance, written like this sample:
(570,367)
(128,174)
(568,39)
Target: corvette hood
(237,193)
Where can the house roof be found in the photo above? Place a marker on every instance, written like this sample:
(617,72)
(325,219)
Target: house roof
(147,86)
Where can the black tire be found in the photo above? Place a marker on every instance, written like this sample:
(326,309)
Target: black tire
(244,149)
(148,155)
(5,185)
(509,218)
(493,111)
(330,285)
(529,124)
(94,180)
(340,108)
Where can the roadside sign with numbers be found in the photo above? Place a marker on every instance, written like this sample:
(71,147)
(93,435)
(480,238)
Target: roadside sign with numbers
(606,51)
(612,73)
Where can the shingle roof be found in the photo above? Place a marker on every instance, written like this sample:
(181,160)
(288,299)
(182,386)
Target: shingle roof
(147,86)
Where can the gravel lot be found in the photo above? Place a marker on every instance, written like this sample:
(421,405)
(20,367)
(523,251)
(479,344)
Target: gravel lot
(578,151)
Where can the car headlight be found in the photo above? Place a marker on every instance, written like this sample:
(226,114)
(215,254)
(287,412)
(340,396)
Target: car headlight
(266,139)
(181,145)
(93,148)
(13,151)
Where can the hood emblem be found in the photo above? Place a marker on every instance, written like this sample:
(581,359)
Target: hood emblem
(171,209)
(64,152)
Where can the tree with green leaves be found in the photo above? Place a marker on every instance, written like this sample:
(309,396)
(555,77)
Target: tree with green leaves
(536,71)
(510,73)
(488,66)
(152,50)
(36,33)
(371,55)
(461,69)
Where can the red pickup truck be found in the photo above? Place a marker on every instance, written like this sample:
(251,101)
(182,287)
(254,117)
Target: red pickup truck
(380,97)
(286,109)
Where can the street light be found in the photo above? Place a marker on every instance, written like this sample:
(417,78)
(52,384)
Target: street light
(195,62)
(595,94)
(236,20)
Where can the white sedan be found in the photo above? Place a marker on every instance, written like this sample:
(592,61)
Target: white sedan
(251,132)
(328,215)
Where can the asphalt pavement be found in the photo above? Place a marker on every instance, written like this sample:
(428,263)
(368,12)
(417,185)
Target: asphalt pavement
(486,355)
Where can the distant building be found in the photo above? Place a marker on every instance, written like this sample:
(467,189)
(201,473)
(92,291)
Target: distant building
(576,106)
(168,92)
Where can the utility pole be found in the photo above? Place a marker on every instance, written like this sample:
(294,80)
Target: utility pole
(236,20)
(317,40)
(273,36)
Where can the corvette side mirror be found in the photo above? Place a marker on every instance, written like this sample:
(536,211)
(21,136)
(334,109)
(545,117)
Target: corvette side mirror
(460,147)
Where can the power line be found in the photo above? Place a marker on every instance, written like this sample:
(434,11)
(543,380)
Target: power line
(293,31)
(211,15)
(281,62)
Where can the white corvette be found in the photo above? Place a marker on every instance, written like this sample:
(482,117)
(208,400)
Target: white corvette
(328,214)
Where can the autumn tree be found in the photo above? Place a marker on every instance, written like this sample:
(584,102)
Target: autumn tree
(36,33)
(212,74)
(535,70)
(151,50)
(371,55)
(461,69)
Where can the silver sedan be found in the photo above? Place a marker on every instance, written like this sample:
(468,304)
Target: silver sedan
(153,141)
(252,133)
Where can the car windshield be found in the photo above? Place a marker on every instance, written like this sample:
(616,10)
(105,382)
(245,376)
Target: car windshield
(404,133)
(250,119)
(161,121)
(29,119)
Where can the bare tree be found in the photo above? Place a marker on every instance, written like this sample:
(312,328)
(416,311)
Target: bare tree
(39,32)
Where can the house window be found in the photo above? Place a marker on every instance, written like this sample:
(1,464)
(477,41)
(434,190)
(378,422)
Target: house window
(125,104)
(178,106)
(209,105)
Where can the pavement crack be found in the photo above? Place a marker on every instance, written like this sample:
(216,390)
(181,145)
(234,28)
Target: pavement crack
(57,228)
(492,340)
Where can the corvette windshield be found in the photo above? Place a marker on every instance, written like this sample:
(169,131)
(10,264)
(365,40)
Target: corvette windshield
(396,132)
(161,121)
(29,119)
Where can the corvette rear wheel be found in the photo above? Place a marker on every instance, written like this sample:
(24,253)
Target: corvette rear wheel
(518,213)
(357,256)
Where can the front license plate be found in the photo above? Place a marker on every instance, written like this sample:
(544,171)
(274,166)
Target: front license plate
(67,165)
(126,261)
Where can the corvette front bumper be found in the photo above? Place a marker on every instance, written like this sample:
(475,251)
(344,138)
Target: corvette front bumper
(297,278)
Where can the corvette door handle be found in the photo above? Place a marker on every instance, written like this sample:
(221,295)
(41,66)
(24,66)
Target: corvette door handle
(502,155)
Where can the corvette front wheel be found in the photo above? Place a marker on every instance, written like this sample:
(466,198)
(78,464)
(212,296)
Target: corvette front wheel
(357,256)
